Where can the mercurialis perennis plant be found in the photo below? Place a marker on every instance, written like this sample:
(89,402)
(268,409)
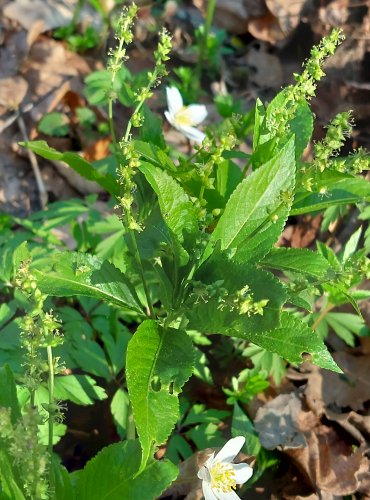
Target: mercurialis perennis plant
(190,253)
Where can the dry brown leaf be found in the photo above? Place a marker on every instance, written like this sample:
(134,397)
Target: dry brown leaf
(348,390)
(232,15)
(12,92)
(51,71)
(266,28)
(329,464)
(277,422)
(287,12)
(266,69)
(52,13)
(98,150)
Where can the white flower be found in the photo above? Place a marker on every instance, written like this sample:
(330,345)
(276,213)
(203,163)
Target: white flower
(183,118)
(220,476)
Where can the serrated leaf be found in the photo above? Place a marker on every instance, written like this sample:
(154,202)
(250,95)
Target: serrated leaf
(159,361)
(65,274)
(177,210)
(113,475)
(298,260)
(351,245)
(80,389)
(292,339)
(340,189)
(212,317)
(75,161)
(255,213)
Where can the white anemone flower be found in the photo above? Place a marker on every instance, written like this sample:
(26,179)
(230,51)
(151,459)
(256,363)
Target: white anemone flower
(185,118)
(220,476)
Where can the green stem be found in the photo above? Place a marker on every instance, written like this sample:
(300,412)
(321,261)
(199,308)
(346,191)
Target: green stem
(140,265)
(51,413)
(207,27)
(245,169)
(322,315)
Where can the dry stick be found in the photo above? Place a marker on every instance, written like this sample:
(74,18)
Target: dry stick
(43,196)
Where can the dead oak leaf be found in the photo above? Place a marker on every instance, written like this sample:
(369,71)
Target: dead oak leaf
(328,463)
(348,390)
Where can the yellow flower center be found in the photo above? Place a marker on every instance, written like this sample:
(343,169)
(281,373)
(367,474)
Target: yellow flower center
(183,117)
(222,477)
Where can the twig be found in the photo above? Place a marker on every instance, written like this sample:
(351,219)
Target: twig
(17,114)
(43,196)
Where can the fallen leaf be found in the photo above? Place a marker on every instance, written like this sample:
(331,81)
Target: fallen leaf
(329,464)
(277,422)
(266,70)
(287,13)
(12,92)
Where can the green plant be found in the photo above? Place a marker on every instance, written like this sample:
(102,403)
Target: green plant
(191,252)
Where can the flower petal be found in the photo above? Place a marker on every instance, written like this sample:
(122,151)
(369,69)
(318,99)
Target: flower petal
(197,112)
(174,100)
(230,495)
(203,473)
(208,492)
(230,450)
(192,133)
(243,472)
(170,118)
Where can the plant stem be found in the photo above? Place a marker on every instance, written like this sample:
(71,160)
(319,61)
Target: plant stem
(322,315)
(207,27)
(51,414)
(76,14)
(244,171)
(140,265)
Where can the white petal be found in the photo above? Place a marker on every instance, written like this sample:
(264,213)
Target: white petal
(231,495)
(231,449)
(243,472)
(192,133)
(203,473)
(208,492)
(174,100)
(170,118)
(197,112)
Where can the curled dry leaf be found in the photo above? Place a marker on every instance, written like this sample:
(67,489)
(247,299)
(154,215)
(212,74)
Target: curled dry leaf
(287,12)
(266,70)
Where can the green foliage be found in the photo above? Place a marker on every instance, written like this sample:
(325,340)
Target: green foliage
(189,253)
(114,473)
(54,124)
(159,362)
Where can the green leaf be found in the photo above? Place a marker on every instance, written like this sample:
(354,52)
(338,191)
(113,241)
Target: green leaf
(62,484)
(341,189)
(243,426)
(54,124)
(8,393)
(347,325)
(113,475)
(154,155)
(159,362)
(151,131)
(302,123)
(293,339)
(80,389)
(119,408)
(75,161)
(255,213)
(65,274)
(9,487)
(208,316)
(298,260)
(351,245)
(177,210)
